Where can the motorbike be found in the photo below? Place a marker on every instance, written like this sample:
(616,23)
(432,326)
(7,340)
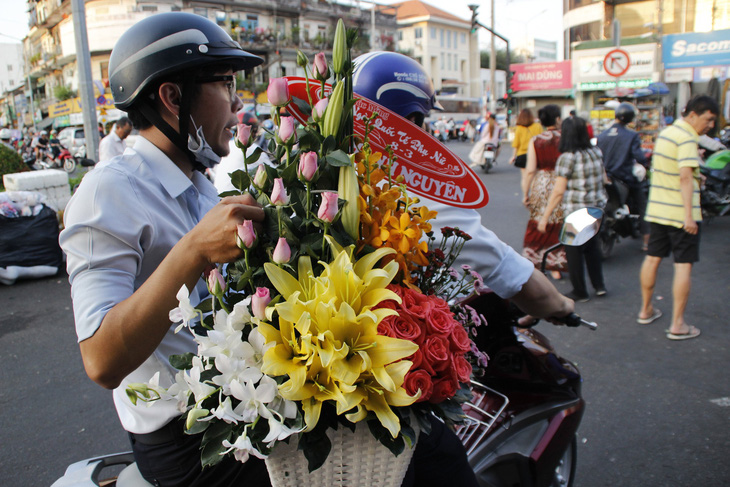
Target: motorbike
(621,220)
(490,157)
(466,131)
(441,130)
(527,407)
(715,192)
(47,160)
(522,420)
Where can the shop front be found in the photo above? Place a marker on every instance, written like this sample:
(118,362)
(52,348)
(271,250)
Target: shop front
(535,85)
(696,63)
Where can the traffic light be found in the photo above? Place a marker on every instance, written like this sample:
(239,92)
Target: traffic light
(474,21)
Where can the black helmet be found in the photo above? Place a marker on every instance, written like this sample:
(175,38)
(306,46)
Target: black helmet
(625,113)
(169,43)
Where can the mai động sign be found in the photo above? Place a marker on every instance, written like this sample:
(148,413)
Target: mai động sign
(542,76)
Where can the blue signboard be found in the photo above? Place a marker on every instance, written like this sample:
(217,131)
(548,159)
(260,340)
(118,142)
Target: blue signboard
(696,49)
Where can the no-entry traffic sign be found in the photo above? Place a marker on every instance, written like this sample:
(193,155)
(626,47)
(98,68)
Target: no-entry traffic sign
(616,62)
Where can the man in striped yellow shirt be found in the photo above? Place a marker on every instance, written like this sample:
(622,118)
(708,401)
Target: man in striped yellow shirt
(674,212)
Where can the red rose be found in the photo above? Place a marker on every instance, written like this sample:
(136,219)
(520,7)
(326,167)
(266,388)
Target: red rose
(407,328)
(420,362)
(416,304)
(443,389)
(436,353)
(440,322)
(462,368)
(438,303)
(399,290)
(418,379)
(459,339)
(385,327)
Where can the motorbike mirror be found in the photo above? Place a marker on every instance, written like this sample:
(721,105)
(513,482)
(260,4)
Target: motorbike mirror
(581,226)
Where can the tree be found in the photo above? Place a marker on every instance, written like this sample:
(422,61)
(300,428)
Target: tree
(501,59)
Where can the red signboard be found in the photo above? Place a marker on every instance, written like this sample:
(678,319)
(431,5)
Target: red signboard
(541,76)
(427,166)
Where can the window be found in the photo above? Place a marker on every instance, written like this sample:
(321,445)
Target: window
(418,32)
(145,8)
(306,32)
(400,35)
(463,38)
(10,68)
(441,35)
(251,22)
(448,58)
(203,12)
(442,59)
(448,39)
(433,32)
(104,69)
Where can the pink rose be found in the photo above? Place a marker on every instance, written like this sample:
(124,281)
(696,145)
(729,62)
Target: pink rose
(278,92)
(287,130)
(436,352)
(246,235)
(308,166)
(462,368)
(443,388)
(282,252)
(259,301)
(459,338)
(440,322)
(328,208)
(279,197)
(319,67)
(216,282)
(319,109)
(418,380)
(243,133)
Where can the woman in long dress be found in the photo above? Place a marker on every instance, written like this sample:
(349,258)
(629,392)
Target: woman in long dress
(538,180)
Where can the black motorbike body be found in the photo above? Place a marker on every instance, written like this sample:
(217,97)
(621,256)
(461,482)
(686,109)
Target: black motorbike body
(533,441)
(621,219)
(715,195)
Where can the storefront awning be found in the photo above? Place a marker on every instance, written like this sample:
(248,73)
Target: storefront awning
(543,94)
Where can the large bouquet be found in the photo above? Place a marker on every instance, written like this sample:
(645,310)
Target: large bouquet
(341,310)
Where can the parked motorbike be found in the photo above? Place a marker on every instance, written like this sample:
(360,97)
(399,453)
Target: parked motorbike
(490,157)
(522,421)
(527,407)
(715,192)
(620,220)
(441,130)
(63,160)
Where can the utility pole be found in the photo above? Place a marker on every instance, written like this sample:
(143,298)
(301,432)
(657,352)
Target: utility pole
(86,86)
(493,71)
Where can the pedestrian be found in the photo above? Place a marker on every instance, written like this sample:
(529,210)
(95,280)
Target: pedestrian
(525,129)
(142,225)
(113,144)
(578,184)
(621,148)
(439,458)
(674,212)
(537,183)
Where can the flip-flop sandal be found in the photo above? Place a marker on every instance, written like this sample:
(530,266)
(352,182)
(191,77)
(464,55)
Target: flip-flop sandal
(648,321)
(691,333)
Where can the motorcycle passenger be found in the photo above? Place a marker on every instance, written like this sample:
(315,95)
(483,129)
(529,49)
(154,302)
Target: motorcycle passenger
(143,224)
(40,145)
(439,458)
(54,144)
(621,148)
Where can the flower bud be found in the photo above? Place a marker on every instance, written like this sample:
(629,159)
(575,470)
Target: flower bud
(349,190)
(333,114)
(282,252)
(193,416)
(279,197)
(339,49)
(287,130)
(302,59)
(319,67)
(328,208)
(278,92)
(319,109)
(259,179)
(246,235)
(243,134)
(259,301)
(307,166)
(216,282)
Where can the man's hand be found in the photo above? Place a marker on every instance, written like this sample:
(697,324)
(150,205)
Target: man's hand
(690,226)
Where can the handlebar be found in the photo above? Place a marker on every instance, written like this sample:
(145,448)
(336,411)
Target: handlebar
(574,320)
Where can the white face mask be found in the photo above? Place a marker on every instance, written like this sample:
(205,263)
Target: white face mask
(200,148)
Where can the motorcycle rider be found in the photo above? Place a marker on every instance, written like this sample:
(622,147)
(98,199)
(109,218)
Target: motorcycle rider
(402,85)
(147,222)
(621,149)
(40,145)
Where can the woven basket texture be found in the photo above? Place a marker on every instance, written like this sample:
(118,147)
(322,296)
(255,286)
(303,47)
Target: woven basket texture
(357,459)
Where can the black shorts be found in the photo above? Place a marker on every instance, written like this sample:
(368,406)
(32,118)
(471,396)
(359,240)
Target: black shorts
(665,239)
(521,161)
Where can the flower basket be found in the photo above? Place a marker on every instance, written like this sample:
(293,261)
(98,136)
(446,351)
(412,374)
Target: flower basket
(356,459)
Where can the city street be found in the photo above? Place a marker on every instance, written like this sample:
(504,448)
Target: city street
(657,411)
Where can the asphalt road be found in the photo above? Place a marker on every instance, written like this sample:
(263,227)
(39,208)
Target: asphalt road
(658,412)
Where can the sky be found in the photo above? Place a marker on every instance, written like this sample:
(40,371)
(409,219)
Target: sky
(544,19)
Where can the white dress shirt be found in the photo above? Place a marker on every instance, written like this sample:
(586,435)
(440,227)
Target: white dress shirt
(111,146)
(233,162)
(120,224)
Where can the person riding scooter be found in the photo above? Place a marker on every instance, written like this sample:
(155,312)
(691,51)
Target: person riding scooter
(402,85)
(621,149)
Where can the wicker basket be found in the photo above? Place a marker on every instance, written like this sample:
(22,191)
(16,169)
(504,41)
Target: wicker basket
(356,459)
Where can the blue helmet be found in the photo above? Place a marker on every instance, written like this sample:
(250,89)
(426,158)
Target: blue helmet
(395,81)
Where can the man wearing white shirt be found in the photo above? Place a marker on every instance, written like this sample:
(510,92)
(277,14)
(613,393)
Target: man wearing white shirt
(113,145)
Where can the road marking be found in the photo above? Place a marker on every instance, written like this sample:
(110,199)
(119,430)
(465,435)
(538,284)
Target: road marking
(722,402)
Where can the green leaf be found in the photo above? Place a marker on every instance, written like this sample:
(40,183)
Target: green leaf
(233,192)
(302,105)
(182,362)
(205,306)
(338,158)
(211,445)
(254,157)
(395,445)
(240,180)
(316,447)
(328,145)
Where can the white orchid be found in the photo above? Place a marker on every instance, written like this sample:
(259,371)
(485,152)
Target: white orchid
(185,312)
(254,398)
(242,448)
